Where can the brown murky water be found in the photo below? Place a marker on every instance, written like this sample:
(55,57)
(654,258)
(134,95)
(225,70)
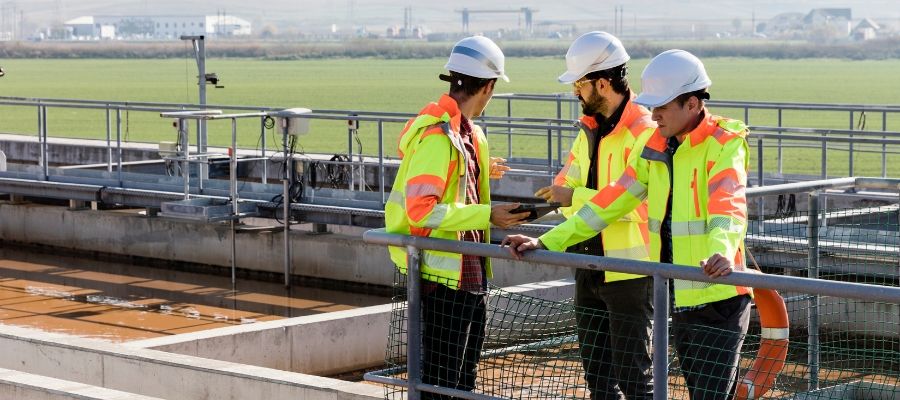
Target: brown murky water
(122,302)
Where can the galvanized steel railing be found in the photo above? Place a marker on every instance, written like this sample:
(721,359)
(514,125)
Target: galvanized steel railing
(661,273)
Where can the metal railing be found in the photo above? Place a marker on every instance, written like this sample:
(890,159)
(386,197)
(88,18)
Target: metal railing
(568,107)
(555,131)
(661,273)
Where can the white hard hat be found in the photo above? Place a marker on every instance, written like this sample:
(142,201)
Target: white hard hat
(477,56)
(670,74)
(593,51)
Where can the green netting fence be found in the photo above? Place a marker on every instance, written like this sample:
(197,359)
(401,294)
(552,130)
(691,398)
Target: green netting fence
(531,348)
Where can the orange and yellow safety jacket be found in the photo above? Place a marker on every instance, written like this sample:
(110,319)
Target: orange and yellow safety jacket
(627,237)
(428,196)
(709,207)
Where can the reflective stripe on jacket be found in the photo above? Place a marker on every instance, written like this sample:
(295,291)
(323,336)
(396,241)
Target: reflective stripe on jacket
(428,196)
(709,210)
(627,237)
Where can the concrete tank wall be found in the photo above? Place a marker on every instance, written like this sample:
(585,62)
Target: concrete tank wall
(340,256)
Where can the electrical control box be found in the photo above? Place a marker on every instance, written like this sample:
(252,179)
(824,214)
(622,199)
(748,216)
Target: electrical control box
(291,121)
(168,149)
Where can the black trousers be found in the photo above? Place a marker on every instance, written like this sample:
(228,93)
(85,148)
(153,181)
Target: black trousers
(708,342)
(614,328)
(453,335)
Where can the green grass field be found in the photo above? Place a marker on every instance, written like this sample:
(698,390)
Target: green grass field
(404,86)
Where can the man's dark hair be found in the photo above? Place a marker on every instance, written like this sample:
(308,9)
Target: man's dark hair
(701,95)
(465,84)
(615,75)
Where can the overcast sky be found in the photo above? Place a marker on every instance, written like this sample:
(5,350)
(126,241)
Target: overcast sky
(307,14)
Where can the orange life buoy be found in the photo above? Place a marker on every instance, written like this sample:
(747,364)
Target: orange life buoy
(773,345)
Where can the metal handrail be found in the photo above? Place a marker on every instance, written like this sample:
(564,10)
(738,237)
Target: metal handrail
(660,272)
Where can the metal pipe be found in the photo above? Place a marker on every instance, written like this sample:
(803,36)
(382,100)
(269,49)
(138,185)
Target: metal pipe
(850,155)
(795,187)
(202,160)
(45,156)
(414,322)
(824,155)
(883,145)
(812,233)
(788,283)
(660,337)
(203,170)
(286,200)
(232,167)
(559,149)
(509,130)
(108,142)
(780,171)
(262,138)
(550,154)
(350,130)
(761,204)
(381,161)
(185,151)
(119,145)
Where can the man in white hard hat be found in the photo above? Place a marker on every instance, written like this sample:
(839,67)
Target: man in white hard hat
(693,174)
(613,310)
(442,191)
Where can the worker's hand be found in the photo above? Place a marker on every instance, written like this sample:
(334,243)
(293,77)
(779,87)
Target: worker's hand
(498,169)
(556,194)
(717,266)
(501,216)
(518,244)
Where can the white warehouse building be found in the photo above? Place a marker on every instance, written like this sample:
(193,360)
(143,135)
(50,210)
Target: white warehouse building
(156,27)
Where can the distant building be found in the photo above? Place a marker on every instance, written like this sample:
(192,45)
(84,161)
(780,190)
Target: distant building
(835,18)
(156,27)
(866,30)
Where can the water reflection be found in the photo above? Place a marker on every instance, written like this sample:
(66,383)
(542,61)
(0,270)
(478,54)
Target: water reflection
(123,302)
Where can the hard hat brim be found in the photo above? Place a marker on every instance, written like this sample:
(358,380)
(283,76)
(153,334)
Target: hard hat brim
(649,100)
(569,77)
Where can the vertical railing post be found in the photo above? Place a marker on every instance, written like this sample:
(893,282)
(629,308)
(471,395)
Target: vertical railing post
(233,192)
(883,145)
(286,201)
(780,170)
(550,154)
(119,146)
(45,156)
(262,138)
(761,203)
(559,148)
(850,156)
(824,155)
(185,152)
(660,337)
(812,233)
(381,160)
(508,129)
(353,125)
(414,322)
(108,142)
(40,135)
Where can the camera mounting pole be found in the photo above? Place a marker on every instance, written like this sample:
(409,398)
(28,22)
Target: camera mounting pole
(199,46)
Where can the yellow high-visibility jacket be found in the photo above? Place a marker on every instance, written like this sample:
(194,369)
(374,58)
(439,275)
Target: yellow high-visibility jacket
(709,207)
(428,196)
(627,237)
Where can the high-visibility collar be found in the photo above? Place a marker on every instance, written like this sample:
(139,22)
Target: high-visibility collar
(706,127)
(451,107)
(629,108)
